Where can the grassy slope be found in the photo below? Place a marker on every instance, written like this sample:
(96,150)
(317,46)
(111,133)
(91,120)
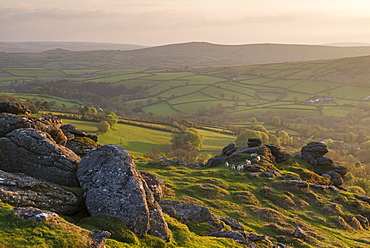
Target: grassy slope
(237,195)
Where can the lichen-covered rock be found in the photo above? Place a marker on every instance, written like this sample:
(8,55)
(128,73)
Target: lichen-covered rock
(36,214)
(80,148)
(299,233)
(48,124)
(71,129)
(215,160)
(335,178)
(227,150)
(341,170)
(98,238)
(23,191)
(324,161)
(187,212)
(113,186)
(155,184)
(253,142)
(315,149)
(13,108)
(280,156)
(232,223)
(36,154)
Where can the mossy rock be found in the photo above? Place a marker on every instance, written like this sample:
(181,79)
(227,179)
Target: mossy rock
(114,225)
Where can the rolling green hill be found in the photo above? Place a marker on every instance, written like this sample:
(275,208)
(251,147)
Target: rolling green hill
(294,87)
(41,46)
(194,54)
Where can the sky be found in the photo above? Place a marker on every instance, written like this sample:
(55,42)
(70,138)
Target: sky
(151,23)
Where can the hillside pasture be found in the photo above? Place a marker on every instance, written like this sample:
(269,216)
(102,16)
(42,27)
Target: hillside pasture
(58,100)
(262,86)
(161,108)
(35,72)
(117,78)
(138,140)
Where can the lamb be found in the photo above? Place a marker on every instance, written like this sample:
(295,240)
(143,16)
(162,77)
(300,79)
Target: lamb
(233,167)
(227,164)
(248,162)
(240,167)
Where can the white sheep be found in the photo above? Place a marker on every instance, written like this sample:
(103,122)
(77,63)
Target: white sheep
(248,162)
(240,167)
(257,159)
(227,164)
(233,167)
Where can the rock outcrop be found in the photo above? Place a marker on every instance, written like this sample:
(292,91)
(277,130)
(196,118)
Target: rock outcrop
(36,214)
(313,153)
(36,154)
(48,124)
(71,129)
(186,213)
(14,108)
(113,186)
(230,153)
(20,190)
(79,141)
(156,185)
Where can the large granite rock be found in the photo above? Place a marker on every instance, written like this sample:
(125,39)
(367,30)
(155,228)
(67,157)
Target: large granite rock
(313,153)
(36,154)
(23,191)
(315,149)
(113,186)
(48,124)
(280,156)
(71,129)
(13,108)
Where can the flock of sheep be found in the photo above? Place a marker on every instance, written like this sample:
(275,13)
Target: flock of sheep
(255,159)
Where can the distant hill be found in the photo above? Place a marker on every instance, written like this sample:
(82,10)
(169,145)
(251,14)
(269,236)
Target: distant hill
(41,46)
(347,44)
(204,54)
(194,54)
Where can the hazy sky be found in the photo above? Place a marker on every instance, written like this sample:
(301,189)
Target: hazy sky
(146,22)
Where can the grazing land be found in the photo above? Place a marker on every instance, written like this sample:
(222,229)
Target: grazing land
(284,88)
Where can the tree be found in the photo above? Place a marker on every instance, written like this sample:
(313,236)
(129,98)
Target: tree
(242,138)
(275,121)
(260,127)
(253,120)
(191,139)
(273,139)
(284,138)
(103,126)
(110,117)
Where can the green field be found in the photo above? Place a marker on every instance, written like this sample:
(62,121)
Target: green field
(138,140)
(277,85)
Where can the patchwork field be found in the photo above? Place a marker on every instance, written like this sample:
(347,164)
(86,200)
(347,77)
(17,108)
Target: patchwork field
(283,88)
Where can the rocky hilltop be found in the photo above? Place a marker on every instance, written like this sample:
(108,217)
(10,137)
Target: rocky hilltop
(259,197)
